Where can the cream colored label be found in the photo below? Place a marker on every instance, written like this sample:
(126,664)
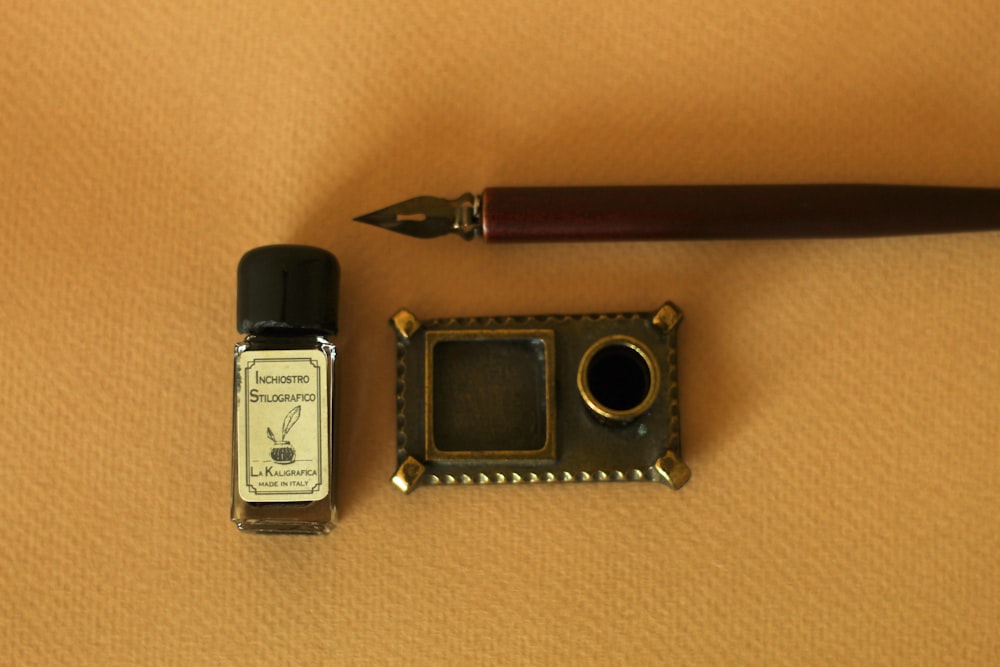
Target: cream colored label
(282,426)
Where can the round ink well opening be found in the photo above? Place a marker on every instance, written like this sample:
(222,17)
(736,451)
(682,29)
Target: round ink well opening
(618,379)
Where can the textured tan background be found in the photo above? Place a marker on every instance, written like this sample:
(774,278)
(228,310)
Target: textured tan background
(839,398)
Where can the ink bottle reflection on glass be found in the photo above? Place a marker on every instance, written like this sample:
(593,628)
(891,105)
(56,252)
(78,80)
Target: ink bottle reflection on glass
(283,453)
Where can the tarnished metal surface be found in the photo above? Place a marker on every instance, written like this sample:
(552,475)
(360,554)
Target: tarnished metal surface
(549,398)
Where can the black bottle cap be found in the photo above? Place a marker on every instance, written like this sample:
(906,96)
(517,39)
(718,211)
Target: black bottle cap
(283,287)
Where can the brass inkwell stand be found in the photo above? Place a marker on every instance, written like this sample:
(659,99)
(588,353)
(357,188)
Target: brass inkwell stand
(515,400)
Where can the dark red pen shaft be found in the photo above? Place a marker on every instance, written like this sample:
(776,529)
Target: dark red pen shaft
(702,212)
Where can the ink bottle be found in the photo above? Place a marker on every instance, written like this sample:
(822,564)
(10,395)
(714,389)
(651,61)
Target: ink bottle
(283,389)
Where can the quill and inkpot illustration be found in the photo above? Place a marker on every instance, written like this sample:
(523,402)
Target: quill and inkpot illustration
(281,450)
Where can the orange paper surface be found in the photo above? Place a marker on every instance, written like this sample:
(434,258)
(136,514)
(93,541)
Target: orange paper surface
(839,398)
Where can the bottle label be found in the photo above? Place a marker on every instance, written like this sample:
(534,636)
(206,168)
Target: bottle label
(282,426)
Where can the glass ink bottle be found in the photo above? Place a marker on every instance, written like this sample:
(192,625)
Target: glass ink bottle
(283,388)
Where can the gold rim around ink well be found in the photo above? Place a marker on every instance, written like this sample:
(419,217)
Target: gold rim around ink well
(618,378)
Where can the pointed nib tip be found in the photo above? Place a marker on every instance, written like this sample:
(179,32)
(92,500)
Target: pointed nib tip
(368,219)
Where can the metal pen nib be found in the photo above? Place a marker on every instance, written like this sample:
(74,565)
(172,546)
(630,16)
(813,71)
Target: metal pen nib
(429,217)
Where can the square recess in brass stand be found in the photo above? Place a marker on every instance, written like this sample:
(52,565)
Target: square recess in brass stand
(549,398)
